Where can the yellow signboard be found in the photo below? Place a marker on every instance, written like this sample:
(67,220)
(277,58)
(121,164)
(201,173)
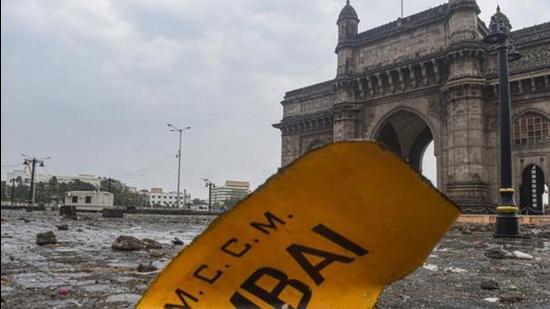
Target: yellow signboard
(329,231)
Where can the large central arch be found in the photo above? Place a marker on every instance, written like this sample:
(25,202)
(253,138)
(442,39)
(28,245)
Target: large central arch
(407,134)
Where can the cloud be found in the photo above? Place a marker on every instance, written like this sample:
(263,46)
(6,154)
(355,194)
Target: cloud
(93,83)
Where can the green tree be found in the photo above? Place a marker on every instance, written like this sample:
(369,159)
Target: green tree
(4,193)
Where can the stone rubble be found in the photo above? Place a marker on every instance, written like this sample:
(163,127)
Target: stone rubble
(46,238)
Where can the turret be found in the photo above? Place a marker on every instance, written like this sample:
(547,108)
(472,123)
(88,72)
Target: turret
(463,21)
(348,23)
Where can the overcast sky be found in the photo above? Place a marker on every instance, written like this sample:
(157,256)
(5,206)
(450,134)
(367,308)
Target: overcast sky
(92,83)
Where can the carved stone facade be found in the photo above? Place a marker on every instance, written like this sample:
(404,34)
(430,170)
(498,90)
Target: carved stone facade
(429,77)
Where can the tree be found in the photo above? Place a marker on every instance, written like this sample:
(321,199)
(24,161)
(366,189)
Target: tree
(4,193)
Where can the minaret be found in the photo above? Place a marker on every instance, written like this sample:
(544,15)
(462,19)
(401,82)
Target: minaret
(348,23)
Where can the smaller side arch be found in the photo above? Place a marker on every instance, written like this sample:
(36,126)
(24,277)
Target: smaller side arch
(532,189)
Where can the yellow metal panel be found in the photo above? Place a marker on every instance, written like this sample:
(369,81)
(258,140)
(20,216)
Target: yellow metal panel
(329,231)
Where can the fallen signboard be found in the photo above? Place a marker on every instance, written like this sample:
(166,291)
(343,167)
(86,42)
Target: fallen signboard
(330,230)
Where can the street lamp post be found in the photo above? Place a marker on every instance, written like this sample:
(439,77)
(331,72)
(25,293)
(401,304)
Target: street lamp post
(180,131)
(32,163)
(210,186)
(507,221)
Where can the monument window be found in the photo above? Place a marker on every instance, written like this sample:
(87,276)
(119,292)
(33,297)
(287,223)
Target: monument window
(75,199)
(88,200)
(531,129)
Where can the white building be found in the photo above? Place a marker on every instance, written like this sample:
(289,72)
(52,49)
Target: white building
(199,207)
(89,200)
(26,177)
(158,198)
(232,190)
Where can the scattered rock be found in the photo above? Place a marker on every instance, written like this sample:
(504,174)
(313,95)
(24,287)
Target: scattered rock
(465,229)
(63,227)
(79,230)
(127,243)
(498,253)
(178,242)
(25,220)
(146,268)
(155,253)
(491,299)
(489,284)
(522,256)
(510,298)
(151,244)
(45,238)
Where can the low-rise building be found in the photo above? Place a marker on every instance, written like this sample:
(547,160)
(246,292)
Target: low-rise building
(158,198)
(89,200)
(232,192)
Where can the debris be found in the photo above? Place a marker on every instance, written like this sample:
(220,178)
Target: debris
(68,212)
(25,220)
(431,267)
(149,243)
(522,256)
(127,298)
(63,227)
(491,299)
(511,298)
(489,284)
(498,253)
(64,291)
(465,229)
(45,238)
(178,242)
(5,281)
(127,243)
(156,253)
(146,268)
(456,270)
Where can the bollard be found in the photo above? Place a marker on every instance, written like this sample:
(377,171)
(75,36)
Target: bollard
(68,212)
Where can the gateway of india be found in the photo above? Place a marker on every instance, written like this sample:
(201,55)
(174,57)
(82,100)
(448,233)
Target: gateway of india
(429,77)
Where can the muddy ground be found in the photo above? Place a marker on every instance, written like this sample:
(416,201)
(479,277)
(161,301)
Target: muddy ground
(82,271)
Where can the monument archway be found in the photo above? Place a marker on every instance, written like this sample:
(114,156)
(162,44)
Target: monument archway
(406,134)
(428,77)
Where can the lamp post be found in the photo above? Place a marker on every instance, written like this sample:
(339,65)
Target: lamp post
(180,131)
(507,221)
(208,184)
(32,163)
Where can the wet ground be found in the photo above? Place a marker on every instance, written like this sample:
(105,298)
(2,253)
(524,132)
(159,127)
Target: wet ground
(82,271)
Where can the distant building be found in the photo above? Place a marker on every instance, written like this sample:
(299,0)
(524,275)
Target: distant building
(199,207)
(89,200)
(158,198)
(232,191)
(156,190)
(26,177)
